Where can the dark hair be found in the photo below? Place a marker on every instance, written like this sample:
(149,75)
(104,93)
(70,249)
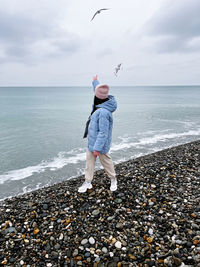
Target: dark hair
(98,101)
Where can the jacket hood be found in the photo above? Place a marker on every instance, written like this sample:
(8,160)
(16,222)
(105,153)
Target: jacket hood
(110,104)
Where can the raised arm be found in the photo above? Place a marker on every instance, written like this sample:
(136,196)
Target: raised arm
(95,82)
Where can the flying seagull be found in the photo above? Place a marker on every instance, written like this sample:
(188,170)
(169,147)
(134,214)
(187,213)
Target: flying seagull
(117,69)
(98,12)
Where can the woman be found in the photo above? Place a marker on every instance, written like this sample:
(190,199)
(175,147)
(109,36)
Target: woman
(99,132)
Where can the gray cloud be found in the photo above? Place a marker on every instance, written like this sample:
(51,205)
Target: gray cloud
(176,27)
(21,38)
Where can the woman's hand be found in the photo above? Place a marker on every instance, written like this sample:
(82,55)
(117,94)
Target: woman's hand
(96,153)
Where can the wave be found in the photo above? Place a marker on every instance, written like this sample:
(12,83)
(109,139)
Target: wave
(77,155)
(56,163)
(126,144)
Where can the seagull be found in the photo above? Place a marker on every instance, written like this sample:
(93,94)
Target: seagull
(98,12)
(117,69)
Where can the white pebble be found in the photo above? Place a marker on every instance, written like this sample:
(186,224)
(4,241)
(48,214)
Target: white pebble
(91,240)
(21,262)
(150,231)
(84,241)
(61,236)
(118,244)
(104,250)
(49,264)
(111,254)
(173,239)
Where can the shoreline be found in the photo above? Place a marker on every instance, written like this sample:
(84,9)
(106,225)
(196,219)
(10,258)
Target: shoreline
(153,217)
(81,177)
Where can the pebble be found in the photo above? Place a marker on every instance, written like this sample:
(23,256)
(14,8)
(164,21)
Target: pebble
(111,254)
(118,244)
(110,218)
(150,231)
(119,225)
(75,253)
(95,212)
(104,250)
(91,240)
(57,246)
(84,241)
(61,236)
(118,200)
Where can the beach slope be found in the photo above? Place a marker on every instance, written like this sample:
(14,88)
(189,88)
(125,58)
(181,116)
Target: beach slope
(152,220)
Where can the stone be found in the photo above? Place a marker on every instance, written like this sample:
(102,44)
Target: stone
(57,246)
(91,240)
(87,254)
(61,236)
(84,241)
(119,225)
(118,200)
(177,261)
(95,212)
(12,260)
(75,253)
(150,231)
(11,230)
(118,244)
(104,250)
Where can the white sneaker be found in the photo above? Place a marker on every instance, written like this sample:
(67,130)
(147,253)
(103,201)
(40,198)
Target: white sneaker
(113,186)
(83,188)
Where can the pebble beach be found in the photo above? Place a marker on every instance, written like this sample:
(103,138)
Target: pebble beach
(153,219)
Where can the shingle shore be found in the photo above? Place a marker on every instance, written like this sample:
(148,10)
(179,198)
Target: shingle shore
(152,220)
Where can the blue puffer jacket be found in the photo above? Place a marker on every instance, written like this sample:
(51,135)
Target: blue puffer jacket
(100,127)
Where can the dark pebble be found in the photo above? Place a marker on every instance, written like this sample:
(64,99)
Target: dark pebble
(12,260)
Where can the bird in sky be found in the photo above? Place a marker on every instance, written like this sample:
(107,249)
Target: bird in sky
(117,69)
(98,12)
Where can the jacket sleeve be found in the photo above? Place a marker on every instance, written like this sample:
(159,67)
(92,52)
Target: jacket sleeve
(95,83)
(103,132)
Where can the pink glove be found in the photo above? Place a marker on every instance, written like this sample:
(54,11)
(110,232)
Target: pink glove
(95,78)
(96,153)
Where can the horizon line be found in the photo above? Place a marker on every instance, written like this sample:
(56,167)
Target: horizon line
(91,85)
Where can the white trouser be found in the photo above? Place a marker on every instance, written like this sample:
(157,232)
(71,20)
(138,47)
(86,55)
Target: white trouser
(106,162)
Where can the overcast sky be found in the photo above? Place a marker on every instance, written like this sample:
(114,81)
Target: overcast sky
(54,42)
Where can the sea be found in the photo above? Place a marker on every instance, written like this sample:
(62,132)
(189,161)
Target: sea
(41,129)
